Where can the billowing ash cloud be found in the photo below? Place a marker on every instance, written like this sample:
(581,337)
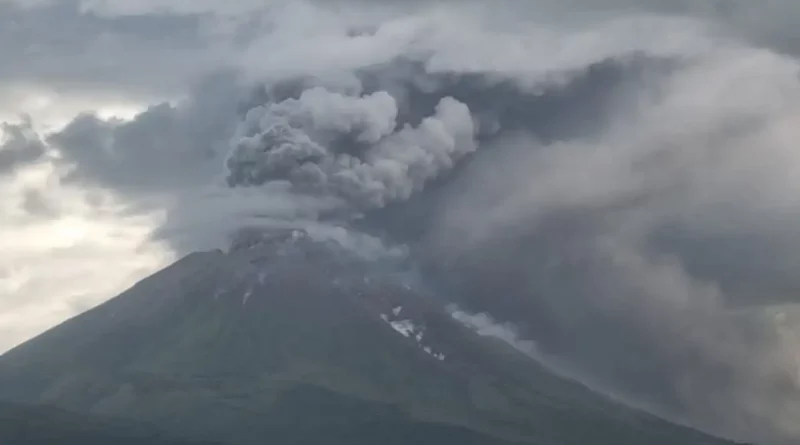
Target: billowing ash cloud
(329,143)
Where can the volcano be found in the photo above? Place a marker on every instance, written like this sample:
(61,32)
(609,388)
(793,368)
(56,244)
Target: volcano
(290,340)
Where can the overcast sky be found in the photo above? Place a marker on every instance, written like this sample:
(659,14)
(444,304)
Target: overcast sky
(655,140)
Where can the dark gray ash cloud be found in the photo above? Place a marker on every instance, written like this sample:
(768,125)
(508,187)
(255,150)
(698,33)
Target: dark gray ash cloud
(290,140)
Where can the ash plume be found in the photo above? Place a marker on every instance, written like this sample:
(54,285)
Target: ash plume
(297,140)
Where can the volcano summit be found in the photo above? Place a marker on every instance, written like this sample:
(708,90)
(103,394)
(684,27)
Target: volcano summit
(295,341)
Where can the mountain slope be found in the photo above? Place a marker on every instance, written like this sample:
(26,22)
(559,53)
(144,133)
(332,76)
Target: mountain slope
(296,340)
(32,425)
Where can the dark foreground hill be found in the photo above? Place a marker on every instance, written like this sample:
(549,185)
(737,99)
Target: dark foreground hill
(296,342)
(35,425)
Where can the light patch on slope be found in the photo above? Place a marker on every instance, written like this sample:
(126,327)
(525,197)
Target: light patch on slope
(247,295)
(485,326)
(407,328)
(404,327)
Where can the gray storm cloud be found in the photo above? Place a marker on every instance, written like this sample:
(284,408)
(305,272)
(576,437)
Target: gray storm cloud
(19,145)
(622,188)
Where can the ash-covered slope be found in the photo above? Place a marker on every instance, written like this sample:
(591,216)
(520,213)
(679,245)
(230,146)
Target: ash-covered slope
(297,341)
